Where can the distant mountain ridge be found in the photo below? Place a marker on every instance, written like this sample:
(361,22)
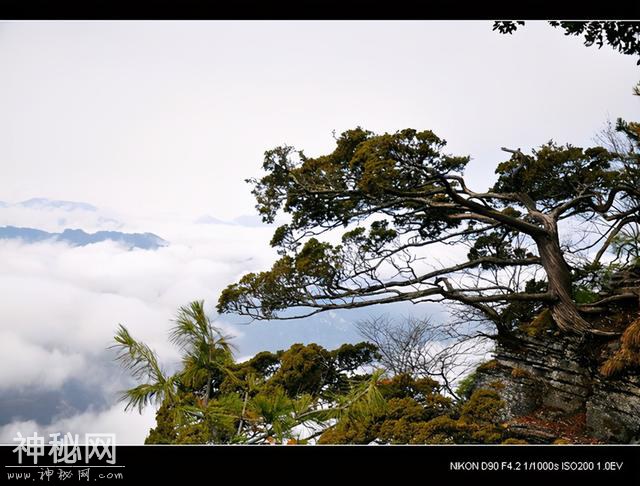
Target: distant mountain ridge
(78,237)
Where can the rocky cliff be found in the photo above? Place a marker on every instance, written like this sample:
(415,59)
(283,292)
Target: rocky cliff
(573,389)
(554,388)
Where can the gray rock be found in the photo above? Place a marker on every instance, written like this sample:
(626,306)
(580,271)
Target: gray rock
(559,374)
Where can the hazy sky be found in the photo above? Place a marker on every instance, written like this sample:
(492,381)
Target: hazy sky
(159,123)
(173,116)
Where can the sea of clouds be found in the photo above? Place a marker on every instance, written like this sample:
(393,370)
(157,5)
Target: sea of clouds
(61,305)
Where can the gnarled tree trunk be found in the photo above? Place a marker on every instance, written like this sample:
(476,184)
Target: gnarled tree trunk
(564,310)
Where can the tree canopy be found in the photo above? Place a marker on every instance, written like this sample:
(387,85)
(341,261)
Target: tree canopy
(303,394)
(397,196)
(532,239)
(624,37)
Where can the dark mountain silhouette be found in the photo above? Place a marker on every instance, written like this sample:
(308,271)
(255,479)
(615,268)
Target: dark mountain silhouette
(78,237)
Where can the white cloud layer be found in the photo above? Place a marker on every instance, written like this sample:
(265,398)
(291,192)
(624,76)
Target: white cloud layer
(72,298)
(129,428)
(61,306)
(30,365)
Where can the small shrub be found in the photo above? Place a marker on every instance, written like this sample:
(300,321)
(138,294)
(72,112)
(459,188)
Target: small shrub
(489,365)
(540,324)
(483,406)
(514,441)
(562,440)
(628,356)
(466,386)
(520,373)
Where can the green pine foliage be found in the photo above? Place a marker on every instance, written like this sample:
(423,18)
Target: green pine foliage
(299,395)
